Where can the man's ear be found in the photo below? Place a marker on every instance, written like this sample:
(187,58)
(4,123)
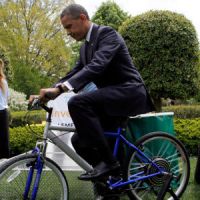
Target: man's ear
(83,17)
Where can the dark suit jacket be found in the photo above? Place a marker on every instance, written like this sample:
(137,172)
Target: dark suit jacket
(109,63)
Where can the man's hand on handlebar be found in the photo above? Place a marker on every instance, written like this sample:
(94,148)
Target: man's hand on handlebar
(45,95)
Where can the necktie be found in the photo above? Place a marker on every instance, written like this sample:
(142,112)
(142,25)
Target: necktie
(86,51)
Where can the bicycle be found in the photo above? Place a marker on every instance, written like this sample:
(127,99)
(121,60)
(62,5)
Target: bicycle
(145,174)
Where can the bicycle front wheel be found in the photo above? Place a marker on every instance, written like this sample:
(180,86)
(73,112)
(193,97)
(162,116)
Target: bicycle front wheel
(168,153)
(13,176)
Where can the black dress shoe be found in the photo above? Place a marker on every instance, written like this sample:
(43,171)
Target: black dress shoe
(102,169)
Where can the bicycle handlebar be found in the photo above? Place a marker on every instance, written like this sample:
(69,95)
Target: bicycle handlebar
(37,103)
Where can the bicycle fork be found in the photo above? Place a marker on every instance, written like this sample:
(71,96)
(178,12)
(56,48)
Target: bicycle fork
(38,166)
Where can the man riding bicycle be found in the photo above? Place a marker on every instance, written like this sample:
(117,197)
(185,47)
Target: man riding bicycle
(105,61)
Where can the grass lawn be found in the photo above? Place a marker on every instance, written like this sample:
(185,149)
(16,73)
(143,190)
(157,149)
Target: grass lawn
(193,190)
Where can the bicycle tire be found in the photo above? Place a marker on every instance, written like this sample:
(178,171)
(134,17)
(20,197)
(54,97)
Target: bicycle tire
(169,153)
(13,175)
(197,169)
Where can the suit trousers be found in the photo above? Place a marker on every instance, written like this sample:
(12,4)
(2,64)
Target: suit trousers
(4,134)
(91,153)
(100,110)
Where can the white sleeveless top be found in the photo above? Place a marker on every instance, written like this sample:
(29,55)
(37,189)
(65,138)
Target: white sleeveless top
(4,96)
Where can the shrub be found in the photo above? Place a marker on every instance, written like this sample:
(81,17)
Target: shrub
(184,111)
(19,118)
(188,131)
(17,100)
(163,45)
(21,139)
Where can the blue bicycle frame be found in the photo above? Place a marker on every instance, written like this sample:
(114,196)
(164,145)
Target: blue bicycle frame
(38,165)
(134,178)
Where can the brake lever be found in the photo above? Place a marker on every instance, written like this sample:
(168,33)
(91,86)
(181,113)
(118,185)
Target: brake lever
(35,104)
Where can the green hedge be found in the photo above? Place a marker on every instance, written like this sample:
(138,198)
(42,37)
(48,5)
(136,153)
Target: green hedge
(21,118)
(184,111)
(188,131)
(187,125)
(22,140)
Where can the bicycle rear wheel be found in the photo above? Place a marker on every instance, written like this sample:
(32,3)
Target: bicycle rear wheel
(167,152)
(13,176)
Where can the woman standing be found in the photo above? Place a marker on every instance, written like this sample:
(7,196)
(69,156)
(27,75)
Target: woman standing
(4,134)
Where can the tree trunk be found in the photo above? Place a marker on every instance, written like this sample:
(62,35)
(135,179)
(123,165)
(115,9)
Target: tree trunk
(158,104)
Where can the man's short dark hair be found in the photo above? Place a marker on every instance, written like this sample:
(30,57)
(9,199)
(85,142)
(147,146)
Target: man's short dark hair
(74,10)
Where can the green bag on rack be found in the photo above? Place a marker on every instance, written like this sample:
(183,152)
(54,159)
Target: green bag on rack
(151,122)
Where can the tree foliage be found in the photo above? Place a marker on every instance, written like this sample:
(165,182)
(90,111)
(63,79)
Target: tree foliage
(31,33)
(29,80)
(164,47)
(110,14)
